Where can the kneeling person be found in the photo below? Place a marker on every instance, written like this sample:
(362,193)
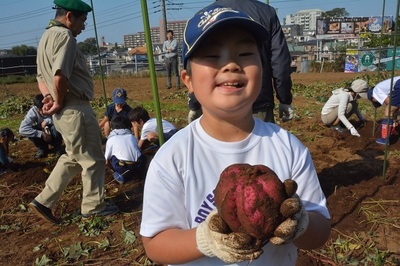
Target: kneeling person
(40,130)
(122,150)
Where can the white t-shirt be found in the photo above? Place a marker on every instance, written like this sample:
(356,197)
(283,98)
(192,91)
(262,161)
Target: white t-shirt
(382,89)
(123,145)
(151,126)
(185,171)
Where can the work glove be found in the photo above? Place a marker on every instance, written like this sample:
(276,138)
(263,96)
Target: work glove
(286,112)
(354,132)
(215,239)
(46,134)
(296,221)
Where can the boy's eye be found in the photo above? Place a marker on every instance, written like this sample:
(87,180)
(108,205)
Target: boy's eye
(211,56)
(246,54)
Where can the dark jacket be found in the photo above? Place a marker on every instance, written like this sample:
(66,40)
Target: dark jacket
(277,57)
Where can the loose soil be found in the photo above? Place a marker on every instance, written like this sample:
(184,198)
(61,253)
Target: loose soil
(364,205)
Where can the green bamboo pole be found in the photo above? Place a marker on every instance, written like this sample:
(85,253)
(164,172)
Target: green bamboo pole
(98,53)
(153,77)
(391,89)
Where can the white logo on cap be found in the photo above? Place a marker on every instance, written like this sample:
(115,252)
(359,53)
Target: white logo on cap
(210,16)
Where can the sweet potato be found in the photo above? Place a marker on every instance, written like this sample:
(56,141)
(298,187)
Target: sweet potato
(248,199)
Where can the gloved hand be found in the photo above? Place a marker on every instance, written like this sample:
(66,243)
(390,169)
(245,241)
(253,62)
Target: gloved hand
(46,136)
(296,216)
(286,112)
(215,239)
(354,132)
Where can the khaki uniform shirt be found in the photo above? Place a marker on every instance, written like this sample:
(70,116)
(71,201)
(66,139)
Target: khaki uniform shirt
(58,50)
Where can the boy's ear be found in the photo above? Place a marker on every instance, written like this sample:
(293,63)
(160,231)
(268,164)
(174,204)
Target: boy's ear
(187,80)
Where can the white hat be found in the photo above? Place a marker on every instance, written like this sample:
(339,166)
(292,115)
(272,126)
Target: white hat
(360,87)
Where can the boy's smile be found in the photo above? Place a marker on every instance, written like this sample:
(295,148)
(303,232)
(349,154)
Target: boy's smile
(226,71)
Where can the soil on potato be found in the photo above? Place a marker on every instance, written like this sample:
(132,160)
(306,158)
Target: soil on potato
(363,205)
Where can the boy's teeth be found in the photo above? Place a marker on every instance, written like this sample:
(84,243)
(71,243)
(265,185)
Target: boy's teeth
(231,84)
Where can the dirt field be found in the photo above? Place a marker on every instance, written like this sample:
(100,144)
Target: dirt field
(363,205)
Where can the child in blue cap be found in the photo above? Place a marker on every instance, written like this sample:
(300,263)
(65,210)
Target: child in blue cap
(223,67)
(118,107)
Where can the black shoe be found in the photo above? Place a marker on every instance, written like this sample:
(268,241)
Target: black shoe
(169,87)
(41,154)
(44,212)
(339,129)
(59,152)
(110,209)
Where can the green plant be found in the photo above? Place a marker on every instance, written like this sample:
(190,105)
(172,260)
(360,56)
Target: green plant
(42,261)
(93,226)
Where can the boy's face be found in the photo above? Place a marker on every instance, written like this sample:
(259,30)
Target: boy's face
(138,124)
(119,106)
(226,72)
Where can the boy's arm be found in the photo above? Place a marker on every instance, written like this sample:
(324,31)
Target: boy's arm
(317,232)
(140,143)
(172,246)
(103,121)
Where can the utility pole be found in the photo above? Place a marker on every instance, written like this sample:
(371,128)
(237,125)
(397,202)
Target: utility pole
(164,19)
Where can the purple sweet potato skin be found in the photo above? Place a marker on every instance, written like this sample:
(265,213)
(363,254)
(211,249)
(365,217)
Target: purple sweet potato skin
(248,198)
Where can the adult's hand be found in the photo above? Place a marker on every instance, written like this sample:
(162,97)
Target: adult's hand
(354,132)
(286,112)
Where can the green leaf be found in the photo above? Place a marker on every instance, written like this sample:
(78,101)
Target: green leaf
(128,236)
(43,261)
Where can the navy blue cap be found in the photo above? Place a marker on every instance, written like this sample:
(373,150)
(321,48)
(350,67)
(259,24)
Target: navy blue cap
(216,15)
(119,96)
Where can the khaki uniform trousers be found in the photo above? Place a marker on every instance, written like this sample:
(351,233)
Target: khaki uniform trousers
(79,128)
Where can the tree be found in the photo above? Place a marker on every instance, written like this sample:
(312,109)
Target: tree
(88,46)
(336,12)
(23,50)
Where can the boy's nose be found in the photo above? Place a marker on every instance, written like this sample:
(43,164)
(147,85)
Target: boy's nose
(232,67)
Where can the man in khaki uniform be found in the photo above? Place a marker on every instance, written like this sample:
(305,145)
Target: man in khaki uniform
(67,88)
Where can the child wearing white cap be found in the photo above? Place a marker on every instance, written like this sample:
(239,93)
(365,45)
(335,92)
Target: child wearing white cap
(342,104)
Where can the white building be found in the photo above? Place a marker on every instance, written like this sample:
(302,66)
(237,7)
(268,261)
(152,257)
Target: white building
(306,18)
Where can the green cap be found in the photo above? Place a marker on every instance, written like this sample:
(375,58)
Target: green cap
(73,5)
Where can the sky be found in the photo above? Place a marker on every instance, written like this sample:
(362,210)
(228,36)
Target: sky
(23,21)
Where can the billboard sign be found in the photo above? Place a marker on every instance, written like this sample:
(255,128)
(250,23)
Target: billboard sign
(346,28)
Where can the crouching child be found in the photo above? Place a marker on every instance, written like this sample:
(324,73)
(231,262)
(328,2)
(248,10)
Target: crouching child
(122,151)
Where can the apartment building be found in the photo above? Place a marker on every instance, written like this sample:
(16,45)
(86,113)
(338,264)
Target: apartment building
(306,18)
(138,39)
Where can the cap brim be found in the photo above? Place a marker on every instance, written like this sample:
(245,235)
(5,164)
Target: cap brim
(363,95)
(258,30)
(119,100)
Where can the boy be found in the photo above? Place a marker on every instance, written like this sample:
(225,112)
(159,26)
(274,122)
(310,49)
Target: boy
(342,104)
(40,130)
(379,96)
(222,66)
(142,122)
(118,107)
(122,150)
(6,135)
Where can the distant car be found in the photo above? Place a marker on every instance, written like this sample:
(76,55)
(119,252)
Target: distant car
(140,59)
